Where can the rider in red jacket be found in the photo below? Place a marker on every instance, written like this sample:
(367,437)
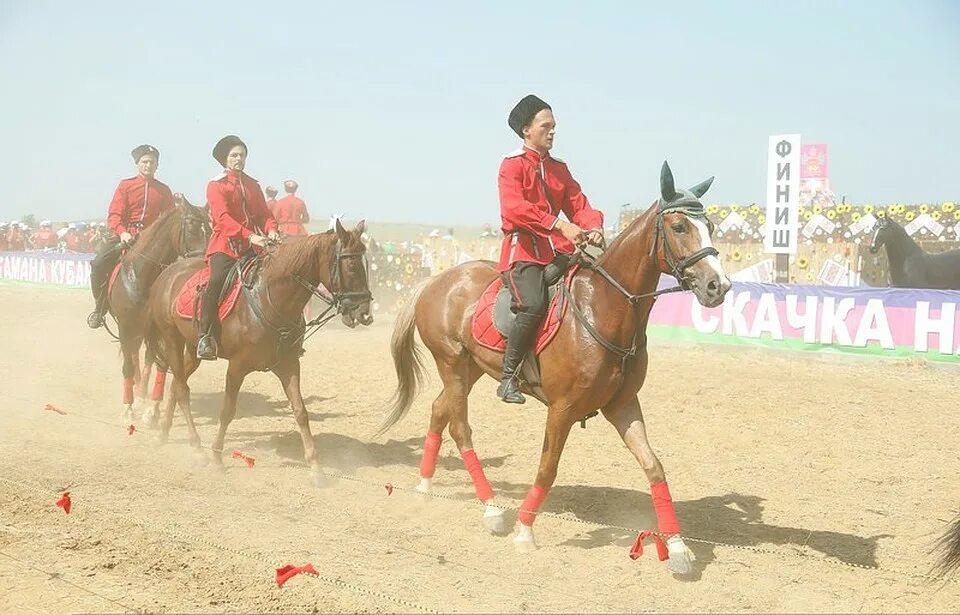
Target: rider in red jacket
(240,221)
(535,189)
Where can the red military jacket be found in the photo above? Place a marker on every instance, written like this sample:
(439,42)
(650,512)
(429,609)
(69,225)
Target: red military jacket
(45,238)
(272,206)
(137,202)
(291,214)
(238,210)
(528,218)
(15,240)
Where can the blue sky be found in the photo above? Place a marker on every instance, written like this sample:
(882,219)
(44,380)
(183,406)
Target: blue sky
(397,111)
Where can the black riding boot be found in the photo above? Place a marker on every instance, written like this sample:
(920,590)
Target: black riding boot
(207,349)
(521,338)
(95,319)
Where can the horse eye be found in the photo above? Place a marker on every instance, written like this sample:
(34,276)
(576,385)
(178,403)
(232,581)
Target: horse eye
(679,227)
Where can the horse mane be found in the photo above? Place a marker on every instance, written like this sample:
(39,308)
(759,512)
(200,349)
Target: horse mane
(908,243)
(161,228)
(627,232)
(294,254)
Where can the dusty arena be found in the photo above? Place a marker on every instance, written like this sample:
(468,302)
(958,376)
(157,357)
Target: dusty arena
(805,483)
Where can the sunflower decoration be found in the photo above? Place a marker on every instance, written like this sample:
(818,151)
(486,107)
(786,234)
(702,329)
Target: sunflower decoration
(807,215)
(748,256)
(868,209)
(855,216)
(734,207)
(713,209)
(802,262)
(409,268)
(948,207)
(936,215)
(817,209)
(881,214)
(755,209)
(831,215)
(909,216)
(736,256)
(761,219)
(924,208)
(723,213)
(956,215)
(810,277)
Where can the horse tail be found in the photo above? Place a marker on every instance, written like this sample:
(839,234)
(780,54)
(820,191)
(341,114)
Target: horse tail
(407,360)
(949,547)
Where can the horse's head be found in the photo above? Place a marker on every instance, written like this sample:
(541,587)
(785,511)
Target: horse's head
(883,233)
(195,228)
(349,276)
(687,251)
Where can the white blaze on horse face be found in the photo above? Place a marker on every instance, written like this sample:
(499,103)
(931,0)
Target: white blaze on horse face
(712,261)
(876,234)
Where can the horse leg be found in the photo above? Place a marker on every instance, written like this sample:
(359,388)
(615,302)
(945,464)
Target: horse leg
(287,371)
(450,407)
(128,350)
(554,438)
(151,410)
(175,356)
(143,375)
(232,384)
(190,365)
(627,418)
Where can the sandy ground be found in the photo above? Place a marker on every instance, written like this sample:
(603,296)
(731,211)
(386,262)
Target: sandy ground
(826,480)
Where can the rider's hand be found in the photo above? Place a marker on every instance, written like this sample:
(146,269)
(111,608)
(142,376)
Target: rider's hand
(571,231)
(595,238)
(273,236)
(126,238)
(258,240)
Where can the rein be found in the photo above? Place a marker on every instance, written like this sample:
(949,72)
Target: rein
(677,266)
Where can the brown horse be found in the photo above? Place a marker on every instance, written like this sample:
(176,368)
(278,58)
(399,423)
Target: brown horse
(598,359)
(264,331)
(183,231)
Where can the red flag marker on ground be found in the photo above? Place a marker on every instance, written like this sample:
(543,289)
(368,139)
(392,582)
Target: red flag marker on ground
(637,550)
(53,408)
(64,502)
(389,488)
(289,571)
(250,461)
(130,429)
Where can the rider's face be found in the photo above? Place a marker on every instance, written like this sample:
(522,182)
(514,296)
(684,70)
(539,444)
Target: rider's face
(147,165)
(237,158)
(539,134)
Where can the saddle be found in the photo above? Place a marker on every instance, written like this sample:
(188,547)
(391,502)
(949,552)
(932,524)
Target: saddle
(188,300)
(493,321)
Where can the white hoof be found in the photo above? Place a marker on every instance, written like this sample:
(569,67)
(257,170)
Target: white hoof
(523,542)
(681,557)
(424,486)
(493,520)
(149,412)
(127,418)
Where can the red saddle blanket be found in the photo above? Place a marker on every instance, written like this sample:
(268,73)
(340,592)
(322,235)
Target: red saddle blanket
(196,285)
(486,332)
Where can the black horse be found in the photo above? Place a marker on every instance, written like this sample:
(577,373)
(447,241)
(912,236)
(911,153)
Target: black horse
(910,266)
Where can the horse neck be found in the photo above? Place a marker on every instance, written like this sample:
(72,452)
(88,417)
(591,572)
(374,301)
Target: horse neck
(629,262)
(152,253)
(901,247)
(287,297)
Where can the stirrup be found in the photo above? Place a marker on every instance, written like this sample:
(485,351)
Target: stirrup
(509,392)
(207,348)
(95,319)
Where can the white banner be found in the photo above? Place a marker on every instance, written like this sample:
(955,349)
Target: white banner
(783,194)
(46,268)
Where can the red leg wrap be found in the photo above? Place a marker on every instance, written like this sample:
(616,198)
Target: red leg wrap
(431,448)
(662,504)
(484,491)
(531,504)
(161,380)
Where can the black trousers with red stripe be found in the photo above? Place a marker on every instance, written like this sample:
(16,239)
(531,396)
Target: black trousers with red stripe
(528,290)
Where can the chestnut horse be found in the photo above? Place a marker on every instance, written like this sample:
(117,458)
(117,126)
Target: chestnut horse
(598,359)
(265,329)
(181,232)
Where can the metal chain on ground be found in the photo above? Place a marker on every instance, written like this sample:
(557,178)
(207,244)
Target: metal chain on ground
(175,533)
(566,516)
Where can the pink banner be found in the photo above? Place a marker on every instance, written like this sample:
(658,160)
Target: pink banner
(813,161)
